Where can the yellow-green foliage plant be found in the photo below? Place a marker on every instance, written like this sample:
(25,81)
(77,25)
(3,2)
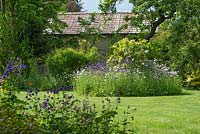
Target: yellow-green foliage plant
(128,51)
(193,80)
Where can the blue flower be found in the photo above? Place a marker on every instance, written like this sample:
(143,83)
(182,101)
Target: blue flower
(56,91)
(44,104)
(12,68)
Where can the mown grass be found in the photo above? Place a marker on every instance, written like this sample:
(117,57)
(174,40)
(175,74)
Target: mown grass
(161,114)
(166,115)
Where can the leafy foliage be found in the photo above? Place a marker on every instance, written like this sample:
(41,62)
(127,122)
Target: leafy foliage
(13,118)
(59,113)
(22,27)
(187,27)
(65,114)
(182,44)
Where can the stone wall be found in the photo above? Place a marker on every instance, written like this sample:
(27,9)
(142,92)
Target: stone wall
(102,42)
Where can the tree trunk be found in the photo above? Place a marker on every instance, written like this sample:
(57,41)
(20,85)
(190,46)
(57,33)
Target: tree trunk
(154,27)
(3,6)
(157,23)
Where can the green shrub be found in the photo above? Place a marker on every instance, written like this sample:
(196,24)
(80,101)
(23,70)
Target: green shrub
(63,62)
(188,63)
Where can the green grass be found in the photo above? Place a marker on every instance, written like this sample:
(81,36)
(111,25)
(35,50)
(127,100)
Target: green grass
(166,114)
(163,114)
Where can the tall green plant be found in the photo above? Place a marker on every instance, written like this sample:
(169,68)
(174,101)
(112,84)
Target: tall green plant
(119,83)
(22,26)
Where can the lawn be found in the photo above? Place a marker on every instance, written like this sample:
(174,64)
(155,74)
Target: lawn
(163,114)
(166,115)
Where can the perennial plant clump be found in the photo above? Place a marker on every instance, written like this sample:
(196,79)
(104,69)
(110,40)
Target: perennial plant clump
(103,80)
(59,112)
(12,74)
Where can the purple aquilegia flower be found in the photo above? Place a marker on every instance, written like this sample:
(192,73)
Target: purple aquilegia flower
(67,88)
(44,104)
(56,91)
(13,68)
(29,90)
(101,66)
(63,88)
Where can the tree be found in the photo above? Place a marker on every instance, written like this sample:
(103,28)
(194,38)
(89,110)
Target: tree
(153,12)
(74,6)
(3,6)
(23,24)
(185,38)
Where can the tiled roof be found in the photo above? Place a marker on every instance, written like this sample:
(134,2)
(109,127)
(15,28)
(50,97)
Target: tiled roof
(105,24)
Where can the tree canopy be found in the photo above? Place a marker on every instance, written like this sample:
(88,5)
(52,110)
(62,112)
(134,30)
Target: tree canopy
(153,11)
(74,6)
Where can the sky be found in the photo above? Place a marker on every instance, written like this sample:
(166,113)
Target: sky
(92,6)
